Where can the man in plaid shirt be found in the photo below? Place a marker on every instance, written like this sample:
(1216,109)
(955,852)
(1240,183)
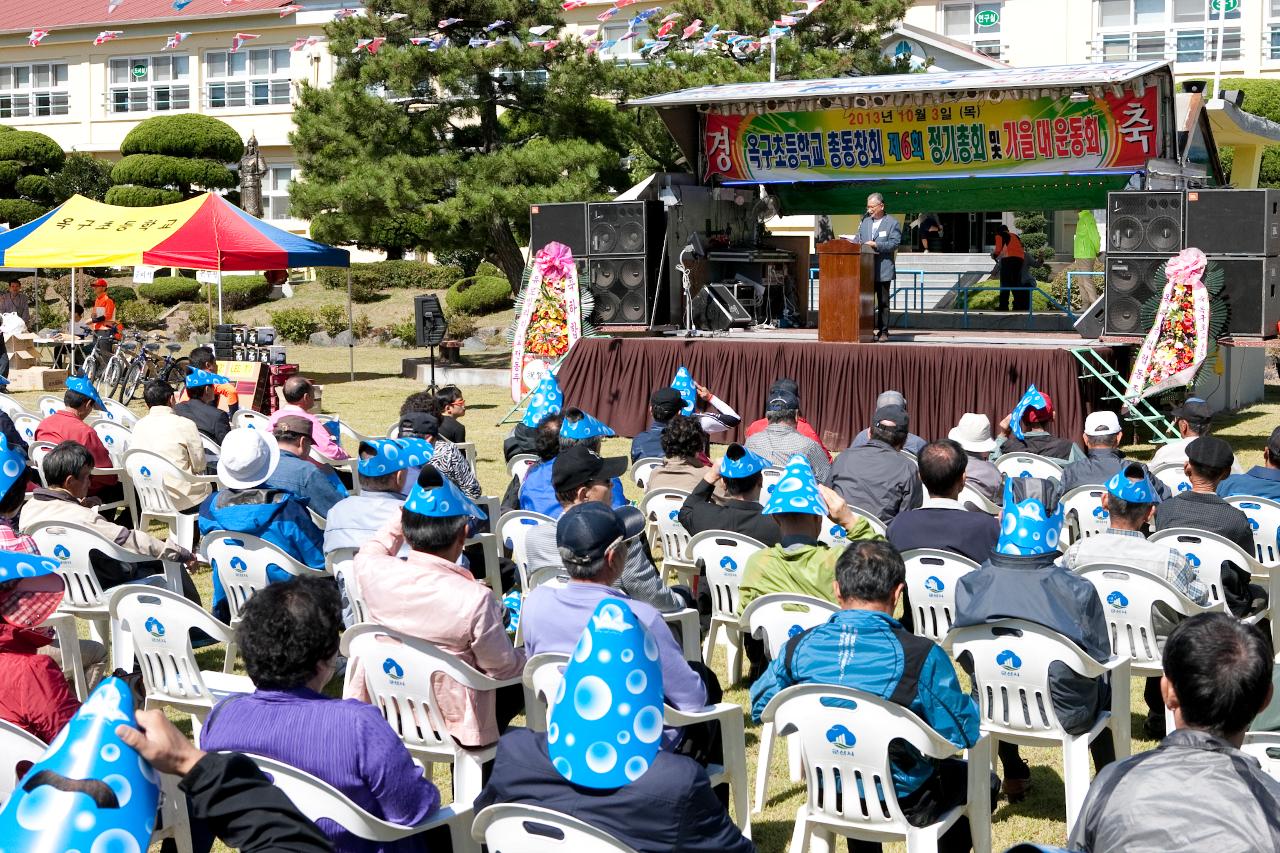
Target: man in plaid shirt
(781,438)
(1130,501)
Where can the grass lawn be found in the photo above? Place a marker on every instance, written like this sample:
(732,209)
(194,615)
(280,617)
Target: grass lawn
(371,404)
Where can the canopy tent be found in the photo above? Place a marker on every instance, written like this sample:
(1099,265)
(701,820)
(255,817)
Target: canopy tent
(204,233)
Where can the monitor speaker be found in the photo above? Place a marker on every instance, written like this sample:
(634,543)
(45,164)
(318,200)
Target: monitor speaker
(429,320)
(716,309)
(1234,222)
(1090,322)
(559,223)
(1144,222)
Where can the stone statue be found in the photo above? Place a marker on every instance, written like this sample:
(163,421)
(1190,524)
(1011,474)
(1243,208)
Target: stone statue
(253,167)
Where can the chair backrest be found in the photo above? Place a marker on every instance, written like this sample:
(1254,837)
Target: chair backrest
(1173,475)
(833,534)
(212,450)
(1206,552)
(848,784)
(932,575)
(661,509)
(542,676)
(115,438)
(158,623)
(399,672)
(1264,746)
(1083,514)
(72,543)
(250,419)
(468,449)
(1128,596)
(642,468)
(1029,465)
(969,495)
(340,562)
(723,556)
(26,424)
(520,464)
(37,451)
(514,828)
(242,562)
(48,404)
(150,475)
(1264,518)
(513,527)
(769,478)
(118,413)
(16,745)
(13,407)
(1011,660)
(777,617)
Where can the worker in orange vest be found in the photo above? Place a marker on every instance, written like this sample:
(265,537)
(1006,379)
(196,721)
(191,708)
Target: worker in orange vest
(104,309)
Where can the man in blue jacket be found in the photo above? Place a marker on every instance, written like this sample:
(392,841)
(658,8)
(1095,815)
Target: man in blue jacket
(864,647)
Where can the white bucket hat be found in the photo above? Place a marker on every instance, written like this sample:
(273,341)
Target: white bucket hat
(248,458)
(973,433)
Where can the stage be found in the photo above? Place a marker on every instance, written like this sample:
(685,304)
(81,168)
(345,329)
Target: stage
(942,373)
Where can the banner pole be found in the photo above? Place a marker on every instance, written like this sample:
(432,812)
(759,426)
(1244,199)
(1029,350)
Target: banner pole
(351,343)
(71,324)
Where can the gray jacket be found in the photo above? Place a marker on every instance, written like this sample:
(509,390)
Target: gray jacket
(1097,469)
(877,479)
(1194,791)
(887,234)
(640,578)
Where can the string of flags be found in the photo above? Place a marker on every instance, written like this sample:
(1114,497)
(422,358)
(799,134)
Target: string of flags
(175,40)
(238,40)
(106,36)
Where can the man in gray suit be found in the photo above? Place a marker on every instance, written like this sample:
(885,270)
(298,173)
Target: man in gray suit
(882,233)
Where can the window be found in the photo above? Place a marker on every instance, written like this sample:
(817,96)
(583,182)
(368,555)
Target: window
(33,90)
(149,83)
(961,21)
(625,48)
(247,78)
(1271,43)
(1182,30)
(275,192)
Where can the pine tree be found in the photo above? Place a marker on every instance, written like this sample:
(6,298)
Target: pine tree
(169,158)
(27,159)
(1033,230)
(82,174)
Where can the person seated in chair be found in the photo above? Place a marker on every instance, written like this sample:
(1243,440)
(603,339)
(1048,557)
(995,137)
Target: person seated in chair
(174,438)
(664,404)
(942,521)
(864,647)
(1102,437)
(684,456)
(538,492)
(68,424)
(876,477)
(299,400)
(1035,438)
(202,404)
(228,400)
(297,473)
(1260,481)
(384,465)
(739,511)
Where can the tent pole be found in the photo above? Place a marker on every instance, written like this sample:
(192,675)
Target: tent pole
(219,289)
(351,344)
(71,325)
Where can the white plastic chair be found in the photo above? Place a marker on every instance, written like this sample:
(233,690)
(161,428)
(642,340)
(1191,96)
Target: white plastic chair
(769,478)
(468,449)
(1083,515)
(153,626)
(1173,475)
(516,828)
(544,673)
(842,781)
(250,419)
(317,799)
(774,619)
(723,556)
(488,543)
(340,562)
(1128,597)
(932,575)
(1207,552)
(642,468)
(150,475)
(1029,465)
(661,510)
(26,424)
(1264,518)
(36,452)
(16,745)
(969,495)
(512,528)
(241,561)
(316,518)
(118,413)
(520,464)
(1011,660)
(212,450)
(85,599)
(13,407)
(47,405)
(398,673)
(1264,746)
(115,438)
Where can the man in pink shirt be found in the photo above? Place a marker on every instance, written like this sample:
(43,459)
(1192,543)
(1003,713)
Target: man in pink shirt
(428,595)
(300,399)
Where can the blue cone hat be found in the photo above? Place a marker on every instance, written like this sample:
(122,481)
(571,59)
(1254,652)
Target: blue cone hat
(547,399)
(440,500)
(90,791)
(739,462)
(1031,521)
(1137,490)
(81,385)
(1032,399)
(605,727)
(684,384)
(585,427)
(394,454)
(797,491)
(12,464)
(197,378)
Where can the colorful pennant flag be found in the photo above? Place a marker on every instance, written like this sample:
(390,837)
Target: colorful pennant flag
(692,30)
(36,37)
(395,16)
(299,44)
(589,32)
(498,24)
(629,34)
(618,4)
(476,41)
(343,14)
(447,22)
(286,11)
(665,28)
(106,36)
(541,29)
(607,14)
(112,5)
(179,5)
(175,40)
(653,48)
(674,16)
(570,5)
(645,15)
(370,45)
(238,40)
(551,45)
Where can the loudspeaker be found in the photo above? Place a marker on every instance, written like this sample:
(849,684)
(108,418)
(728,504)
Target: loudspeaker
(625,242)
(1090,323)
(1130,282)
(429,321)
(562,223)
(1234,222)
(623,227)
(716,309)
(621,290)
(1144,221)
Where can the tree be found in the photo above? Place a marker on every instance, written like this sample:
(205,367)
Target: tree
(27,159)
(82,174)
(169,158)
(1261,97)
(1033,230)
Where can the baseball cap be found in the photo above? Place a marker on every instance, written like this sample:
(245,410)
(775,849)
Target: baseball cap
(891,398)
(1210,451)
(1193,409)
(782,400)
(890,416)
(419,423)
(587,530)
(578,465)
(666,396)
(296,424)
(101,282)
(1273,445)
(1102,423)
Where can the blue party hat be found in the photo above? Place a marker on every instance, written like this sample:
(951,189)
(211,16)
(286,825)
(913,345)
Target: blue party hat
(739,462)
(81,385)
(797,491)
(12,464)
(1032,399)
(90,790)
(547,399)
(605,727)
(393,454)
(585,427)
(684,384)
(197,378)
(1032,517)
(1137,490)
(444,500)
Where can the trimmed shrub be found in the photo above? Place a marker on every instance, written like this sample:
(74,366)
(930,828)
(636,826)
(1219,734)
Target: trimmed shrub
(33,149)
(19,211)
(160,170)
(460,325)
(185,135)
(484,293)
(139,312)
(122,293)
(38,188)
(406,332)
(391,275)
(333,318)
(135,196)
(240,291)
(168,290)
(295,325)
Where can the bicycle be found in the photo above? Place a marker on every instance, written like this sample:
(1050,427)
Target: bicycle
(97,358)
(112,374)
(146,366)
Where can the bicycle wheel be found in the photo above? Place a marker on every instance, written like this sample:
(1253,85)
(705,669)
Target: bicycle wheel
(111,377)
(132,382)
(175,373)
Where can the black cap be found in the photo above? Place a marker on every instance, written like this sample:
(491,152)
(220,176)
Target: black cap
(1211,452)
(419,424)
(890,416)
(587,530)
(789,385)
(668,396)
(782,400)
(1193,409)
(578,465)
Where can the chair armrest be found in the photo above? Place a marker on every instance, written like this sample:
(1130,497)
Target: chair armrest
(725,712)
(107,472)
(203,478)
(1120,668)
(979,800)
(690,631)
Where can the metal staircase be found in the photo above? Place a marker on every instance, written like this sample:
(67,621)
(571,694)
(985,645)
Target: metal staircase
(1162,429)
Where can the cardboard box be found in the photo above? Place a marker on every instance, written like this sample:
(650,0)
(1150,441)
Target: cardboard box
(36,379)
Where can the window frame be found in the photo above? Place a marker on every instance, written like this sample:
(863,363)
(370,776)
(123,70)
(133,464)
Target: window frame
(1178,36)
(985,40)
(55,93)
(150,86)
(239,89)
(272,195)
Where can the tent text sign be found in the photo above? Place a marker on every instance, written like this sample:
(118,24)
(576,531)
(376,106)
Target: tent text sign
(963,137)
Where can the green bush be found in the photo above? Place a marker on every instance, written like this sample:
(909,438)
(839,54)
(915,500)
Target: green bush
(295,325)
(169,290)
(333,318)
(460,325)
(362,326)
(406,331)
(185,135)
(19,211)
(139,313)
(484,293)
(240,291)
(369,279)
(33,149)
(989,300)
(161,170)
(134,196)
(122,293)
(38,188)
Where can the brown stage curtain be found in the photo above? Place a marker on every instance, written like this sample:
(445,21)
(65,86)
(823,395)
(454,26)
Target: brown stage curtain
(611,378)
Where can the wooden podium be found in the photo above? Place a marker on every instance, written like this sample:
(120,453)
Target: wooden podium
(846,281)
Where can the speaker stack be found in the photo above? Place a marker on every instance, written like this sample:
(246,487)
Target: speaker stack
(617,245)
(1239,231)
